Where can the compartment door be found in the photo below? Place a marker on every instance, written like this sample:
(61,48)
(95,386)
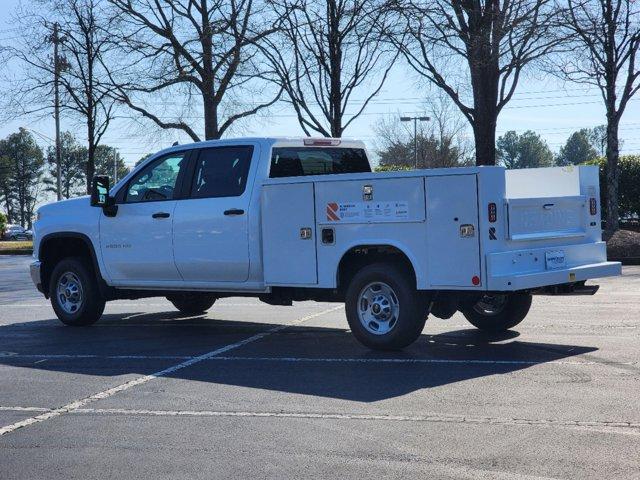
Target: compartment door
(452,230)
(547,217)
(289,256)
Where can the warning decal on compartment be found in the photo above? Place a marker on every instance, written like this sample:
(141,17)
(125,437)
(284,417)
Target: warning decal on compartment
(367,211)
(332,212)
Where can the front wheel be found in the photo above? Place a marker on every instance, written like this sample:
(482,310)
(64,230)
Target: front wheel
(498,312)
(384,309)
(74,292)
(192,303)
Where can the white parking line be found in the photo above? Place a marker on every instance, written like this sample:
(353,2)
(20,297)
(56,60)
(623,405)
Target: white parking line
(434,417)
(75,405)
(111,304)
(24,409)
(73,356)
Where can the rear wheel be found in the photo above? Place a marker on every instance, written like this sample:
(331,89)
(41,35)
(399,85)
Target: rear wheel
(74,293)
(384,309)
(498,312)
(192,303)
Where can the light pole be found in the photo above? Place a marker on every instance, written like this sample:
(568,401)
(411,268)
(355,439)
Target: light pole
(415,135)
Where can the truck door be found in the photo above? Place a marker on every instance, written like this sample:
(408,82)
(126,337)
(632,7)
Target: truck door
(452,231)
(136,243)
(210,234)
(289,236)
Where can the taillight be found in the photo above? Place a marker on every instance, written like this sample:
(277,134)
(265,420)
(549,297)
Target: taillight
(593,206)
(493,212)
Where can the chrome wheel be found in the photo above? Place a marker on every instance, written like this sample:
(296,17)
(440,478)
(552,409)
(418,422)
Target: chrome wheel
(491,304)
(378,308)
(69,293)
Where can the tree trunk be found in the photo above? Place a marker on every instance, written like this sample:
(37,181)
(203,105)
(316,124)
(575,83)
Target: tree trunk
(209,101)
(210,113)
(335,65)
(91,165)
(613,174)
(485,77)
(484,133)
(8,208)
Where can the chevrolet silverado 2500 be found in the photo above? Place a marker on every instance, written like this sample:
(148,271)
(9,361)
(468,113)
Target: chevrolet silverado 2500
(287,219)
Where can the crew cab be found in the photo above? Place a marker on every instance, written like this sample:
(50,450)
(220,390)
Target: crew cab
(291,219)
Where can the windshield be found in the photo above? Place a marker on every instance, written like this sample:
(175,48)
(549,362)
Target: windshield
(302,161)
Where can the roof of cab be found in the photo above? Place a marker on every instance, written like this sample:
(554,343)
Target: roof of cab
(270,141)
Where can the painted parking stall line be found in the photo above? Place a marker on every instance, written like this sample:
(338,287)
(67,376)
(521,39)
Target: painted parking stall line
(632,427)
(77,404)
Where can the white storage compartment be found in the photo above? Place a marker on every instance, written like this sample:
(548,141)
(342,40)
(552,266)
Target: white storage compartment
(289,245)
(452,231)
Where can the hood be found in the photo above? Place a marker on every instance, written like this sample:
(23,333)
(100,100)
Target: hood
(65,207)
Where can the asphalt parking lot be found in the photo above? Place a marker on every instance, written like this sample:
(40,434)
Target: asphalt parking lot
(256,391)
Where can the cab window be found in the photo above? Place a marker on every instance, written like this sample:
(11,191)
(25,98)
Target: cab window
(157,181)
(221,172)
(302,161)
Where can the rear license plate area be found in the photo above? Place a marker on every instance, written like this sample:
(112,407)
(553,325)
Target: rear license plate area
(555,259)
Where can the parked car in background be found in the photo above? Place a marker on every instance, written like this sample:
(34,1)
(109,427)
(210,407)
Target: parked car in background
(16,232)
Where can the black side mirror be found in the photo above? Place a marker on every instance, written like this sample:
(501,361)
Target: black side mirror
(100,191)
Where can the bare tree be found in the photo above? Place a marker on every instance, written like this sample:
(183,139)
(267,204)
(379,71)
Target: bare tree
(202,52)
(83,32)
(329,52)
(605,51)
(442,142)
(476,52)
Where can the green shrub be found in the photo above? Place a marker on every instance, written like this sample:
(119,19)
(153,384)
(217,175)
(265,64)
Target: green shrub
(3,223)
(628,188)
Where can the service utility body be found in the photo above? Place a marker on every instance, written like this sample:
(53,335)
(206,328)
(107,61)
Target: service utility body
(290,219)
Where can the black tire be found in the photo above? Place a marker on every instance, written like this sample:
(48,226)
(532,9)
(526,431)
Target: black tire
(192,303)
(89,309)
(509,310)
(412,308)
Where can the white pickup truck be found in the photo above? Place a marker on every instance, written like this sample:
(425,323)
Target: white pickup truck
(288,219)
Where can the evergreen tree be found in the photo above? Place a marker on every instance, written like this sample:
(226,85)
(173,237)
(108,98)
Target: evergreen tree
(24,162)
(72,167)
(577,150)
(528,150)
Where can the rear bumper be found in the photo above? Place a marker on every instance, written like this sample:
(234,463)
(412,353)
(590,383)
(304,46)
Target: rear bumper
(526,269)
(34,270)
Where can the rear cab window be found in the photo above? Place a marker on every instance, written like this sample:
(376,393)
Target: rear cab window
(303,161)
(221,172)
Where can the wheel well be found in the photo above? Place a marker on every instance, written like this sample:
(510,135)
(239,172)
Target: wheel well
(360,256)
(54,249)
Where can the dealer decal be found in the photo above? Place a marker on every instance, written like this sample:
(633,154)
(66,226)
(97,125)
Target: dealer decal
(359,211)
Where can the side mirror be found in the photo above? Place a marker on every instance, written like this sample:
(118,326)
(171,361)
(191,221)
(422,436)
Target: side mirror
(100,191)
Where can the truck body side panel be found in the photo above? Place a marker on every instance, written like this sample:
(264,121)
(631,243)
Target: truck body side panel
(541,234)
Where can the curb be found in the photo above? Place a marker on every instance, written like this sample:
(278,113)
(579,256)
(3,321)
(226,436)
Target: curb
(16,252)
(626,260)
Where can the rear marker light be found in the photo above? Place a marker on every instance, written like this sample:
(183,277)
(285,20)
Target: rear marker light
(493,212)
(475,280)
(593,206)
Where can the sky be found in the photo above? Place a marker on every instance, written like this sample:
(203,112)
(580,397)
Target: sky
(546,106)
